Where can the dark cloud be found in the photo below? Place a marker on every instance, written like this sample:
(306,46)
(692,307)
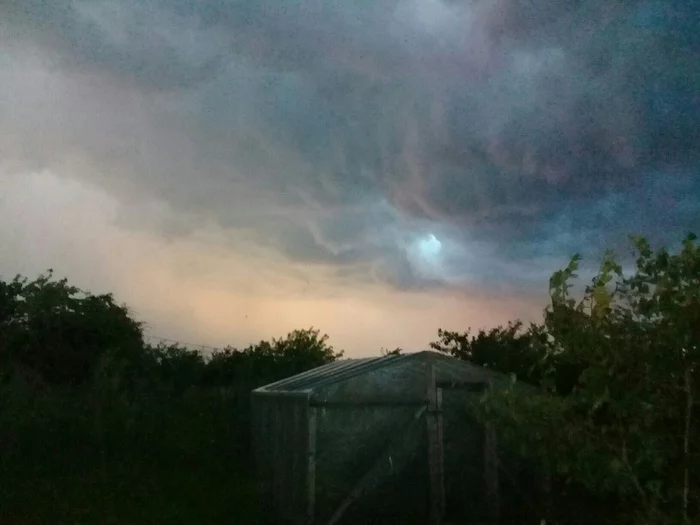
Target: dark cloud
(341,132)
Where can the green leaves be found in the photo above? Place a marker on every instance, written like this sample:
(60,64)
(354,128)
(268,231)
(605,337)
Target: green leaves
(63,334)
(613,413)
(512,349)
(559,282)
(268,361)
(60,331)
(616,465)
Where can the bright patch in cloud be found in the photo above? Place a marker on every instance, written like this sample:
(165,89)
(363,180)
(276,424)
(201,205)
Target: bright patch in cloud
(426,257)
(430,247)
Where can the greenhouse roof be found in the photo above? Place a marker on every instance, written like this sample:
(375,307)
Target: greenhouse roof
(343,369)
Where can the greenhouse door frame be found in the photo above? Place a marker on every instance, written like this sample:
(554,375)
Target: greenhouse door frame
(436,451)
(491,461)
(431,408)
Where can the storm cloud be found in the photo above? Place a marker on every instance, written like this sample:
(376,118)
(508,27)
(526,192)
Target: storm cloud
(341,135)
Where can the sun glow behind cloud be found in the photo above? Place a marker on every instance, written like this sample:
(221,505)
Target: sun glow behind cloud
(199,289)
(425,255)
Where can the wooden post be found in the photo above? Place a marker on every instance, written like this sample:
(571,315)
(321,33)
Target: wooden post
(491,488)
(435,447)
(311,472)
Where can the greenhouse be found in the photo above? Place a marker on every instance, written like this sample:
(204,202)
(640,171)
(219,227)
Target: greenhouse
(379,440)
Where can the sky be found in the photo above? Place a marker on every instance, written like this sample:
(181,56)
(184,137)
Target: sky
(236,169)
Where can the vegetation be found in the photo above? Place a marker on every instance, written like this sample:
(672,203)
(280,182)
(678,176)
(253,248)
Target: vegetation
(617,369)
(96,426)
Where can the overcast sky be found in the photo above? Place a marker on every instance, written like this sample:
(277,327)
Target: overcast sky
(235,169)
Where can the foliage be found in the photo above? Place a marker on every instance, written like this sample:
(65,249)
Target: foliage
(85,403)
(512,349)
(385,352)
(270,361)
(85,455)
(103,428)
(59,331)
(626,427)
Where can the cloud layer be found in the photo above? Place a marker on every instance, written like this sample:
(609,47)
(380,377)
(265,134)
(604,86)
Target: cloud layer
(340,136)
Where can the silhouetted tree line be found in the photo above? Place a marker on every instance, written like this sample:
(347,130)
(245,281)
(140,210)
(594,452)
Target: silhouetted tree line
(84,400)
(60,334)
(611,418)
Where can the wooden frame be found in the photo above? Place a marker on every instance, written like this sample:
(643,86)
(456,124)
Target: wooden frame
(435,447)
(311,472)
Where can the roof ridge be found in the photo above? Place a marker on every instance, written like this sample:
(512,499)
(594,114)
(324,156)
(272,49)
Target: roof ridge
(343,369)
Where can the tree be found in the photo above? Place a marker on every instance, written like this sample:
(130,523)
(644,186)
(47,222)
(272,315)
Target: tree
(626,428)
(385,352)
(60,331)
(178,367)
(110,409)
(269,361)
(512,349)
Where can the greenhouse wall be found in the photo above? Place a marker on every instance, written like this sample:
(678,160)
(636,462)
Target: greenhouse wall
(385,440)
(281,448)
